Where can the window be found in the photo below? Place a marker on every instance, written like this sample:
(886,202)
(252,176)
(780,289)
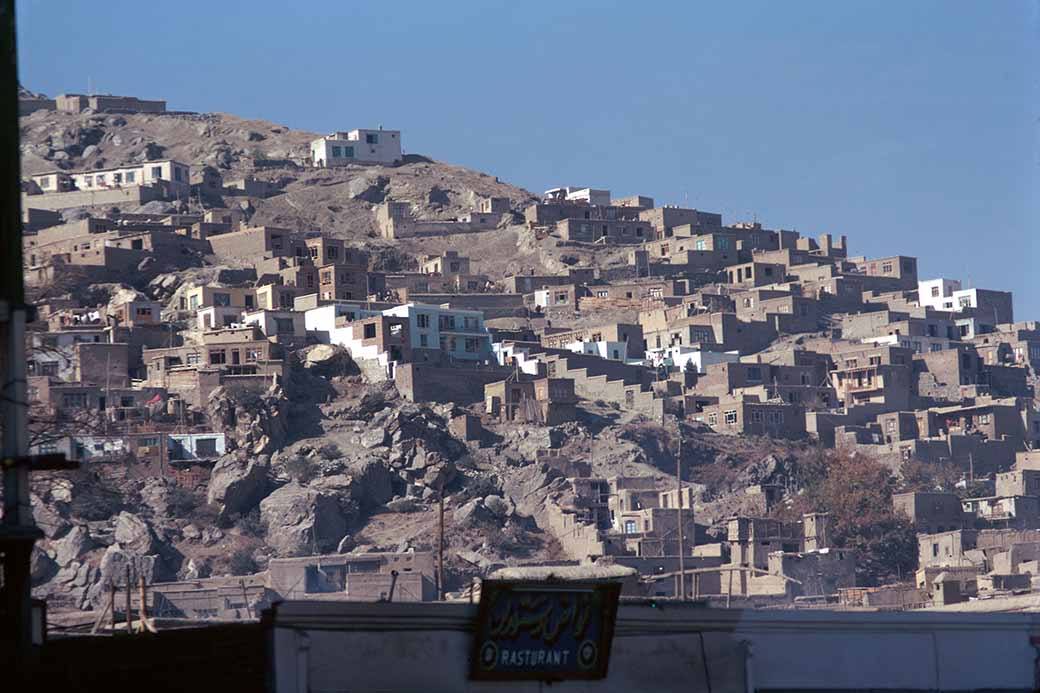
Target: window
(935,292)
(283,325)
(447,322)
(936,347)
(336,152)
(130,176)
(176,173)
(424,340)
(371,138)
(730,417)
(754,373)
(217,356)
(117,177)
(756,416)
(983,418)
(472,345)
(326,277)
(886,268)
(148,442)
(469,324)
(700,244)
(348,152)
(964,301)
(422,320)
(713,419)
(206,447)
(49,368)
(88,180)
(370,330)
(331,253)
(192,359)
(890,425)
(156,172)
(74,400)
(221,299)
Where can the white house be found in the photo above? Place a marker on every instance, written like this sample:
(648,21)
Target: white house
(615,351)
(938,293)
(176,175)
(364,146)
(459,334)
(681,357)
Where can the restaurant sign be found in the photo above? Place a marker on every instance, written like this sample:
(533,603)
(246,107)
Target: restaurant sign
(546,631)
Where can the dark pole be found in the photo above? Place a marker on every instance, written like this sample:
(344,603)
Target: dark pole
(18,532)
(679,516)
(440,543)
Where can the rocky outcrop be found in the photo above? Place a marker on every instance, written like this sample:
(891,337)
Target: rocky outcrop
(72,546)
(256,422)
(301,520)
(238,483)
(135,535)
(328,360)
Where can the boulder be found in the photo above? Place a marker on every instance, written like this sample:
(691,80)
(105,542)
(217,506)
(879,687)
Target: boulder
(155,494)
(73,545)
(134,535)
(48,518)
(302,520)
(373,437)
(499,506)
(112,569)
(328,360)
(41,567)
(472,514)
(404,505)
(191,533)
(237,485)
(195,570)
(369,189)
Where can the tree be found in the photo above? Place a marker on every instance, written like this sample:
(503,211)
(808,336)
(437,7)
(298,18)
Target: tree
(857,492)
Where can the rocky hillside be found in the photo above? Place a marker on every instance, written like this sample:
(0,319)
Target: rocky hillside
(330,463)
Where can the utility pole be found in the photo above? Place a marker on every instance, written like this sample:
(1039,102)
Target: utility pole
(18,531)
(679,515)
(440,542)
(129,608)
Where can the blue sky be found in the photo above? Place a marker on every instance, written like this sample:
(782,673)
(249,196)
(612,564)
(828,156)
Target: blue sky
(911,127)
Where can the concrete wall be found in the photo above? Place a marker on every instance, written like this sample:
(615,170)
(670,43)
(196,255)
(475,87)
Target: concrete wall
(408,647)
(421,383)
(137,194)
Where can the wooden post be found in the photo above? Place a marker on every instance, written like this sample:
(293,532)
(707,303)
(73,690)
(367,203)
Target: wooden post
(129,608)
(143,591)
(440,542)
(679,515)
(112,601)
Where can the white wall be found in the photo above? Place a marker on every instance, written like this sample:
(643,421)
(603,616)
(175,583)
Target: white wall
(386,151)
(407,647)
(946,288)
(615,351)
